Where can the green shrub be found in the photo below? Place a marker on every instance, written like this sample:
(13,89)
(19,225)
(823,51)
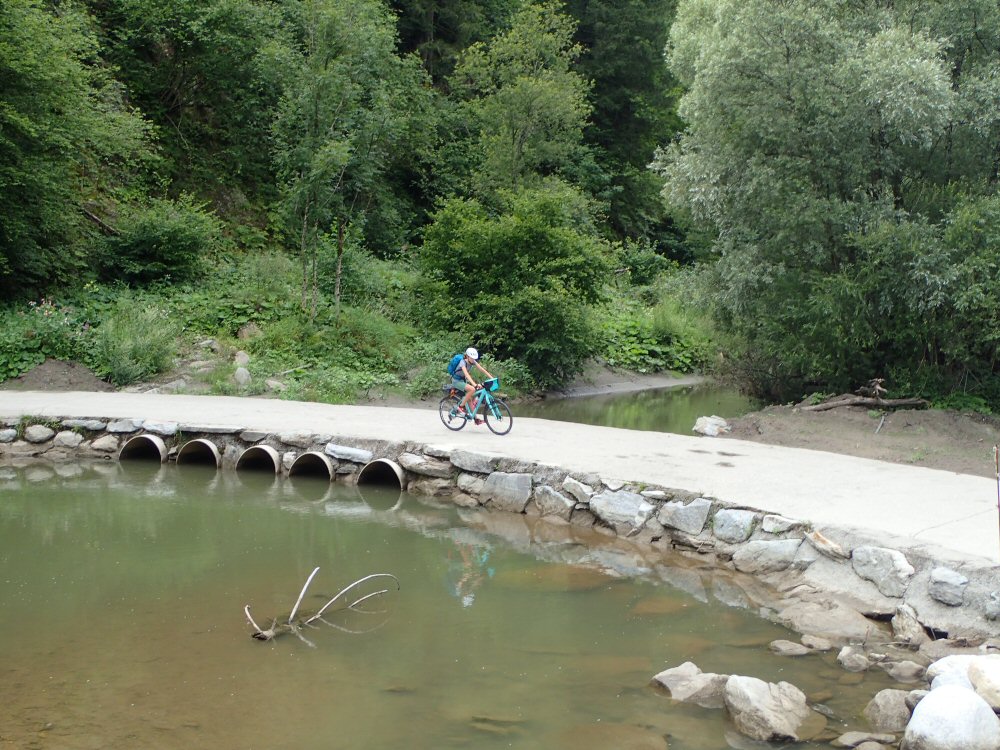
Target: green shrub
(29,335)
(135,342)
(161,240)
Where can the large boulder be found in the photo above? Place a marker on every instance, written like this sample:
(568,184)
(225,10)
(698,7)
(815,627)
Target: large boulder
(689,684)
(952,718)
(765,710)
(887,711)
(888,569)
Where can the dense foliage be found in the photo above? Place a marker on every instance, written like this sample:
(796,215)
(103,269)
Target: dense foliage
(845,156)
(360,187)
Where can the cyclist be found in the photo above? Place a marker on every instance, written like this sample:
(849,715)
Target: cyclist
(462,380)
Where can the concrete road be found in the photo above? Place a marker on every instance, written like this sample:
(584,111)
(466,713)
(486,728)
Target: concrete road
(957,512)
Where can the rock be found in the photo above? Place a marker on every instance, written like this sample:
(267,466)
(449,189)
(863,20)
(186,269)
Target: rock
(105,444)
(958,663)
(124,425)
(711,426)
(622,507)
(582,492)
(887,568)
(773,524)
(347,453)
(8,435)
(242,376)
(984,674)
(906,628)
(689,518)
(241,359)
(733,526)
(275,385)
(992,609)
(91,425)
(470,484)
(689,684)
(160,428)
(67,439)
(764,710)
(173,386)
(766,556)
(855,739)
(38,433)
(788,648)
(914,697)
(952,718)
(510,492)
(888,711)
(253,436)
(428,467)
(479,463)
(853,659)
(904,671)
(816,643)
(829,619)
(298,438)
(552,503)
(947,586)
(826,546)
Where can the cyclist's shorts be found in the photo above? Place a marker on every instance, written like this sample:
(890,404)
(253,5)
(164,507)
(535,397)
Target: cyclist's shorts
(458,384)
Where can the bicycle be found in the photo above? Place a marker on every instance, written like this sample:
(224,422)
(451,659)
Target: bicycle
(496,413)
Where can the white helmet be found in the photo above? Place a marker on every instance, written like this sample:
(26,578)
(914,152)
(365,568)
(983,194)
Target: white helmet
(471,353)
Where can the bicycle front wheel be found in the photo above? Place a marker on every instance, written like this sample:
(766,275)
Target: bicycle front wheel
(498,417)
(450,411)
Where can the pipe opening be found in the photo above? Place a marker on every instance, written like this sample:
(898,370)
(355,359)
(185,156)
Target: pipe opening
(201,451)
(259,458)
(381,473)
(312,464)
(143,448)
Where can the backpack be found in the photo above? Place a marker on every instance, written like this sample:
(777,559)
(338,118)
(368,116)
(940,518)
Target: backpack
(453,366)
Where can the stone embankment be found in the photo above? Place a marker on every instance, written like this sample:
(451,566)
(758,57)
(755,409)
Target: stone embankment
(898,607)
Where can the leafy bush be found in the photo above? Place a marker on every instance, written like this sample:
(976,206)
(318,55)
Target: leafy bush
(544,330)
(135,342)
(30,335)
(642,262)
(159,241)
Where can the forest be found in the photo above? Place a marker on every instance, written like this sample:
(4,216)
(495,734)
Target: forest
(795,196)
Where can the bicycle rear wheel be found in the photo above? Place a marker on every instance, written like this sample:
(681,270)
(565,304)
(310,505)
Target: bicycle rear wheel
(498,417)
(450,411)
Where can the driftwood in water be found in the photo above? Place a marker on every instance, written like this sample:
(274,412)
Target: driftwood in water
(295,626)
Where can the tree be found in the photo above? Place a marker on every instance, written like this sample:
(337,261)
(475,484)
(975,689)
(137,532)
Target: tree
(208,73)
(68,143)
(821,139)
(519,281)
(345,105)
(634,109)
(526,105)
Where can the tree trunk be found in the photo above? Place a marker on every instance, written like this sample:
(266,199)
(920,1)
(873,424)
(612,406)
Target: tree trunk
(340,263)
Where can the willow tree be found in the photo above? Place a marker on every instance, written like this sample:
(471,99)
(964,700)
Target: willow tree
(346,104)
(833,150)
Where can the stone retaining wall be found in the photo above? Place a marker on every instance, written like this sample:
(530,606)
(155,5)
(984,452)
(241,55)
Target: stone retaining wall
(842,573)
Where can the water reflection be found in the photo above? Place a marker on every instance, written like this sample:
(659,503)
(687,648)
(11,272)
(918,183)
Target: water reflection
(662,410)
(508,630)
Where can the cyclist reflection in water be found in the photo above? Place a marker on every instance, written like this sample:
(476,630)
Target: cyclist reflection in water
(468,567)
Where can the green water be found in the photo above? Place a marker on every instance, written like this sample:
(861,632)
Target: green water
(661,410)
(123,589)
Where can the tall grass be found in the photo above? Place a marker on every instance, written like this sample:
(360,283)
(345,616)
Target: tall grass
(134,342)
